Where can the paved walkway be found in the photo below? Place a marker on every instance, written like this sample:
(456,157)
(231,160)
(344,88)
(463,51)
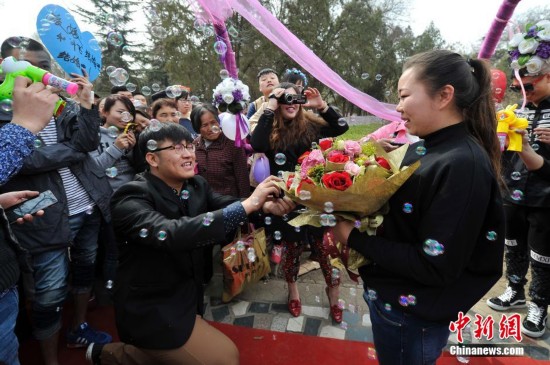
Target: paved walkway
(264,306)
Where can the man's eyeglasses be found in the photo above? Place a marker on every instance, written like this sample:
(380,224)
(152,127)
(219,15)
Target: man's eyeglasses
(530,86)
(179,148)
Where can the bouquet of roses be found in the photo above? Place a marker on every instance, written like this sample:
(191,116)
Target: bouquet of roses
(531,49)
(349,179)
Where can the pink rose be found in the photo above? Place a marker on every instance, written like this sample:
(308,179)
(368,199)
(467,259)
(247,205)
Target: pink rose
(313,159)
(352,168)
(352,148)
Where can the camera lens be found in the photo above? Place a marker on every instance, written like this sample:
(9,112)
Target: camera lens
(289,98)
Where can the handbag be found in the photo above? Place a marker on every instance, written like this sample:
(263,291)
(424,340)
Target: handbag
(245,261)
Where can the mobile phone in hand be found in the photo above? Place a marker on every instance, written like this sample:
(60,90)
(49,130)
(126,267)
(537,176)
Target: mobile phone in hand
(31,206)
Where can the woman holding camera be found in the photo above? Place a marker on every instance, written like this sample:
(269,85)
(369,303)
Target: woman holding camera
(284,132)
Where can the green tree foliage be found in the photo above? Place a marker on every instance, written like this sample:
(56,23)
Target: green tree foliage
(112,18)
(354,38)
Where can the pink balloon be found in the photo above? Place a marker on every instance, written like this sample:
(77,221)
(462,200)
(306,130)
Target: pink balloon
(261,169)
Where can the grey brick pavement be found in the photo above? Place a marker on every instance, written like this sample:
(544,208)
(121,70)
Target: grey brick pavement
(264,306)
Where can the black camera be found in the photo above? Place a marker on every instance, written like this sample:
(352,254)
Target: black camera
(292,99)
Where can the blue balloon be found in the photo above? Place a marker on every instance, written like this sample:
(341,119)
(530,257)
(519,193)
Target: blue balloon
(71,48)
(261,168)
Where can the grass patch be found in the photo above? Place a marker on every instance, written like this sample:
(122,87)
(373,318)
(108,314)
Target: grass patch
(359,131)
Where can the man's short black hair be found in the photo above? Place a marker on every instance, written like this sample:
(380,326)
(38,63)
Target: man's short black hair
(11,43)
(116,89)
(159,95)
(266,71)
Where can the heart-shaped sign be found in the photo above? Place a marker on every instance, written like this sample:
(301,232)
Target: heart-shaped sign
(70,47)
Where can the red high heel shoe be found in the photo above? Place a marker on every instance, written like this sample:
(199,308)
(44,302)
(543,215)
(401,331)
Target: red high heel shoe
(294,307)
(335,312)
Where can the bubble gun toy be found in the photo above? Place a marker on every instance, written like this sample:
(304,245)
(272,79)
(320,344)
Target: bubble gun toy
(13,68)
(508,122)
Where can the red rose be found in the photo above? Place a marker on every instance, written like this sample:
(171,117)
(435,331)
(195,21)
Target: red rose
(337,157)
(289,181)
(338,180)
(303,156)
(325,144)
(383,163)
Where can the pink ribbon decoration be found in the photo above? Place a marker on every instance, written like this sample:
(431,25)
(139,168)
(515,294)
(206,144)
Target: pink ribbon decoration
(240,124)
(490,42)
(518,77)
(276,32)
(227,59)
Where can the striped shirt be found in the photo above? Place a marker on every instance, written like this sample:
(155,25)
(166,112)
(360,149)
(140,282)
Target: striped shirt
(78,200)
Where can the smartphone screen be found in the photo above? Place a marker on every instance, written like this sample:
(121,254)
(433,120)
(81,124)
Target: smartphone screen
(31,206)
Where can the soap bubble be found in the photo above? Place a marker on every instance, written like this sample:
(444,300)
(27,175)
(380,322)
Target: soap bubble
(158,32)
(113,131)
(162,235)
(233,32)
(220,47)
(155,125)
(15,42)
(115,39)
(152,145)
(280,159)
(224,74)
(146,90)
(433,248)
(109,70)
(119,77)
(131,87)
(126,117)
(6,105)
(173,91)
(111,172)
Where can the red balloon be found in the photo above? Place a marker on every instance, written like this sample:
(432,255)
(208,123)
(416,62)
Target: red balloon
(498,79)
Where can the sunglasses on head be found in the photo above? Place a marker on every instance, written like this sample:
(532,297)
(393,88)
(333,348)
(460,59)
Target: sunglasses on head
(530,86)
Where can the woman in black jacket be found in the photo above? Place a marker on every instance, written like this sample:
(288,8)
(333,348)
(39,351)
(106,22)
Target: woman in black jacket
(442,243)
(284,132)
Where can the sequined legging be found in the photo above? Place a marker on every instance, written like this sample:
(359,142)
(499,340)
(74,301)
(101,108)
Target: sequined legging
(291,264)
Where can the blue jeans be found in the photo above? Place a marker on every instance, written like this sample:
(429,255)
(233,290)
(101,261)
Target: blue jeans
(51,272)
(84,234)
(402,339)
(9,346)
